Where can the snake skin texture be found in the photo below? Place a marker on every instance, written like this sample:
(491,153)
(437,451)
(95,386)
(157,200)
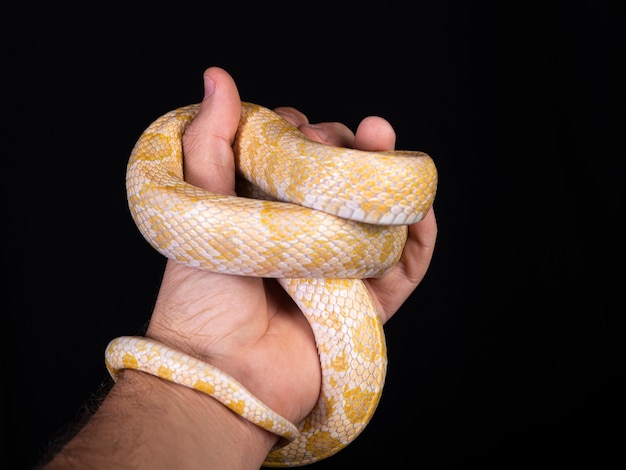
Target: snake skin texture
(318,218)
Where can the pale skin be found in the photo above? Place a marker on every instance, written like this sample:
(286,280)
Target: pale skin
(248,327)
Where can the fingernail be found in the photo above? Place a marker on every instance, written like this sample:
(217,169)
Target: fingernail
(209,86)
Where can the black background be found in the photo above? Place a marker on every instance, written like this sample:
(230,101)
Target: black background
(511,350)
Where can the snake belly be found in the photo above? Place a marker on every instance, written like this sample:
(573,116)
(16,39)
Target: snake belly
(328,217)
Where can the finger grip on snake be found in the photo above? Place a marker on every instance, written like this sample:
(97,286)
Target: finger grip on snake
(316,217)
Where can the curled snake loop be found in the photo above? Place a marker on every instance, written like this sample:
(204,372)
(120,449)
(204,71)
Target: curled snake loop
(318,218)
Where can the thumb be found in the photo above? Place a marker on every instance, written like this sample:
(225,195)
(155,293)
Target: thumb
(207,141)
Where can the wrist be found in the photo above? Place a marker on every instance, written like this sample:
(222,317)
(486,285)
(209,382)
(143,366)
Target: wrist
(196,417)
(160,360)
(147,422)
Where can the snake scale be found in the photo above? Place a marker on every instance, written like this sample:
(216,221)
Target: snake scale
(316,217)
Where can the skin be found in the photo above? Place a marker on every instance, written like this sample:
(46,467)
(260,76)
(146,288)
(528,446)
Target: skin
(248,327)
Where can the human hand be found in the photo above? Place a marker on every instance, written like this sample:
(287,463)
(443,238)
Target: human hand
(249,327)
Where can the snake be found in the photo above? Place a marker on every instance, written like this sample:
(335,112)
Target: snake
(318,218)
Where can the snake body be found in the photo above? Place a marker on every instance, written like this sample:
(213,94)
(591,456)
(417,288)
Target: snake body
(318,218)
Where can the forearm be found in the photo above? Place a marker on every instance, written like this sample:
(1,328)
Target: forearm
(146,422)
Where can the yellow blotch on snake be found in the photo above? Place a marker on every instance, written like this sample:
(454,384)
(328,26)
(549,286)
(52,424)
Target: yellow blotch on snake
(320,441)
(365,343)
(165,373)
(130,361)
(238,406)
(205,387)
(340,362)
(358,400)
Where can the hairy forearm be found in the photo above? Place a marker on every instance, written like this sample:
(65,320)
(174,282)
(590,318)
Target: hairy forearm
(146,422)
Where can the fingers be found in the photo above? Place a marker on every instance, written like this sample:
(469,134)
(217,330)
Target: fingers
(418,251)
(373,134)
(331,133)
(207,142)
(295,117)
(392,290)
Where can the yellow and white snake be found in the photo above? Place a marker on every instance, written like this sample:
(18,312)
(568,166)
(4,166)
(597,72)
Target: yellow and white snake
(320,219)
